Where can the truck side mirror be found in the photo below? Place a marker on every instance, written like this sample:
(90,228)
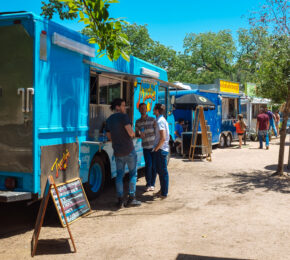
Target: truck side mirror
(172,100)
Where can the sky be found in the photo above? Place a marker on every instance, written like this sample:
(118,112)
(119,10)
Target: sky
(168,21)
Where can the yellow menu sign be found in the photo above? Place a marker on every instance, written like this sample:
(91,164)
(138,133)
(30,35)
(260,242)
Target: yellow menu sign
(228,86)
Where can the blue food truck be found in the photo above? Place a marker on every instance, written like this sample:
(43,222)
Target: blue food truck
(54,101)
(226,97)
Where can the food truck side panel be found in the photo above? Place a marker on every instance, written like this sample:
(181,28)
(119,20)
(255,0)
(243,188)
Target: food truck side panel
(61,102)
(213,117)
(220,121)
(58,100)
(55,104)
(97,158)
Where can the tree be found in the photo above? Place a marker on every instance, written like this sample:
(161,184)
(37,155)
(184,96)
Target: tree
(250,45)
(211,56)
(274,69)
(106,32)
(140,41)
(143,47)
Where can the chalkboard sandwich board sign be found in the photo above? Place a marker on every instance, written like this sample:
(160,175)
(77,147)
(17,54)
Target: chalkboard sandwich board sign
(73,199)
(50,184)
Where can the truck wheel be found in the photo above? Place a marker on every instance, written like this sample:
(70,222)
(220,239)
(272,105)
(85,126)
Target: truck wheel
(222,143)
(253,137)
(228,140)
(96,180)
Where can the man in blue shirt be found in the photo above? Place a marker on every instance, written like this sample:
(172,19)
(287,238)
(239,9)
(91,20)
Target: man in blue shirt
(272,119)
(177,133)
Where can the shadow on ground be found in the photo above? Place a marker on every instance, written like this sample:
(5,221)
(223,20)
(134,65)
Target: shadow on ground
(278,143)
(273,167)
(199,257)
(53,247)
(245,182)
(17,218)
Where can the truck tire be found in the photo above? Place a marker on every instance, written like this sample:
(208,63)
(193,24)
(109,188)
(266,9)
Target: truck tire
(228,140)
(222,143)
(96,179)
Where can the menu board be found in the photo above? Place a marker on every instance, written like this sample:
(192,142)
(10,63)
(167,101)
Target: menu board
(74,201)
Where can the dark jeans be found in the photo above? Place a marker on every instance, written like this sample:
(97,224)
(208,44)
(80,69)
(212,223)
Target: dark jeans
(261,135)
(160,160)
(131,161)
(150,169)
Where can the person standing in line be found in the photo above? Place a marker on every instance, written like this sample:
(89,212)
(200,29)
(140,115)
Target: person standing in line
(145,128)
(161,150)
(119,131)
(177,133)
(262,128)
(241,128)
(272,119)
(277,121)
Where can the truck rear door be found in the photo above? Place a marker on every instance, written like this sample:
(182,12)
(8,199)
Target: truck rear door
(16,92)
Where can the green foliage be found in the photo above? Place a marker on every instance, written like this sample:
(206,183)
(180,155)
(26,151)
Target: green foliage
(211,55)
(250,44)
(106,32)
(274,69)
(267,45)
(140,41)
(54,6)
(143,47)
(207,55)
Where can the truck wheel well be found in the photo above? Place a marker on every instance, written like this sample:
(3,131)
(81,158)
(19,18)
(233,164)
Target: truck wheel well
(106,160)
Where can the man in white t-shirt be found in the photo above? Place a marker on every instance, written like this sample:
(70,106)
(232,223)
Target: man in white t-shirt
(161,149)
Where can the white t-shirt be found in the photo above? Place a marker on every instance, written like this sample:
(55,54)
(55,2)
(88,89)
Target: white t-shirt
(162,125)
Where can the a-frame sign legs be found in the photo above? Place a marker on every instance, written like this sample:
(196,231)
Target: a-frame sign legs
(199,118)
(41,213)
(194,135)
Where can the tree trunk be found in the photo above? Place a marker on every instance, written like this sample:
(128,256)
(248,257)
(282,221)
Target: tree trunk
(283,133)
(289,157)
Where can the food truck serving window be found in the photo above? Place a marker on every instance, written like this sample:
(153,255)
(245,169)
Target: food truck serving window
(110,89)
(229,108)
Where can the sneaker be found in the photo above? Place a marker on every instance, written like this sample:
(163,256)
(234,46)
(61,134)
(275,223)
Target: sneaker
(152,188)
(132,202)
(163,197)
(120,203)
(147,188)
(267,147)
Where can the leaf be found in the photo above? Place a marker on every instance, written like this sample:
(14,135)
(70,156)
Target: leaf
(81,14)
(125,56)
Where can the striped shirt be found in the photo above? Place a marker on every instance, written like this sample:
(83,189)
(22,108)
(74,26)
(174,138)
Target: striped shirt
(147,126)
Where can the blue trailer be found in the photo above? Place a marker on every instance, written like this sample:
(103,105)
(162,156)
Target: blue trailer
(221,119)
(54,100)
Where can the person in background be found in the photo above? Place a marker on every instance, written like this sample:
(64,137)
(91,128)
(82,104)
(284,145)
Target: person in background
(161,150)
(262,128)
(145,128)
(272,119)
(240,128)
(119,131)
(177,133)
(277,121)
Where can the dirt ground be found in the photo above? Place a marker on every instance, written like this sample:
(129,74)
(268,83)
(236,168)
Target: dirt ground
(225,209)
